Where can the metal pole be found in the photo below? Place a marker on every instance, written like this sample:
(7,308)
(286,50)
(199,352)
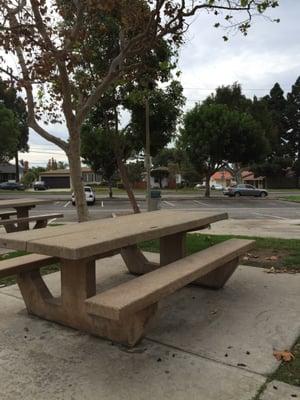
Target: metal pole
(147,154)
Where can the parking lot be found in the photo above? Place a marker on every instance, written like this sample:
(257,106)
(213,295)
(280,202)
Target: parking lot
(237,208)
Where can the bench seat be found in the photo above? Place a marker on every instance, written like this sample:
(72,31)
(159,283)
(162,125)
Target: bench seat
(4,215)
(215,264)
(12,225)
(29,262)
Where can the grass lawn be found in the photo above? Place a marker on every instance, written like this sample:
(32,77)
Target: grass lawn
(281,254)
(290,372)
(277,255)
(34,192)
(11,280)
(295,199)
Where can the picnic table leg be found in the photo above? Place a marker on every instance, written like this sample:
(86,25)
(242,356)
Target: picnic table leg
(23,212)
(77,285)
(42,223)
(136,262)
(172,248)
(78,282)
(217,278)
(9,228)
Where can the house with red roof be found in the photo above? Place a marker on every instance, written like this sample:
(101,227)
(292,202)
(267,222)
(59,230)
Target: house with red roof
(226,178)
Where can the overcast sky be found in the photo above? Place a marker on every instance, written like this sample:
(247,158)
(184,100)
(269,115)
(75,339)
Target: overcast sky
(270,53)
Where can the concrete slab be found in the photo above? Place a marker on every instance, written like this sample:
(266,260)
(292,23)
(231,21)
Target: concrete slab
(240,325)
(44,361)
(281,228)
(280,391)
(183,357)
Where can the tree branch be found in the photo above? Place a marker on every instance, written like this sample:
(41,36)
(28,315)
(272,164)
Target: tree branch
(66,87)
(32,122)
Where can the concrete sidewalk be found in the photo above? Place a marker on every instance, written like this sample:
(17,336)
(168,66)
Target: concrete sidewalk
(281,228)
(204,345)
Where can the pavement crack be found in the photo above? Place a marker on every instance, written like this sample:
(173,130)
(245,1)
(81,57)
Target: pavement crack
(204,357)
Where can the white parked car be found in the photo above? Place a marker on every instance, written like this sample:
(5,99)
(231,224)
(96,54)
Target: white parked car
(89,195)
(199,186)
(217,186)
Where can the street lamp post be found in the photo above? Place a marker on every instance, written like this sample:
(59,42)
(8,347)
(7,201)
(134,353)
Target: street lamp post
(147,154)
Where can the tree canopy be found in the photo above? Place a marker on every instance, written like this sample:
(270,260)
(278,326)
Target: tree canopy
(213,136)
(53,45)
(15,103)
(9,134)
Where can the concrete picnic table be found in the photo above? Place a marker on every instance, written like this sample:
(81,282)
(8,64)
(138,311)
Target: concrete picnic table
(78,246)
(22,207)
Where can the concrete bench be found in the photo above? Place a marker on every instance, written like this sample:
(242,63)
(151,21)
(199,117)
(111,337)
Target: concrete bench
(5,215)
(130,306)
(17,265)
(16,224)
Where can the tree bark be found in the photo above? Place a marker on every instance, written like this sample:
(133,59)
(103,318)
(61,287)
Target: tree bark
(207,186)
(110,192)
(237,173)
(126,183)
(76,178)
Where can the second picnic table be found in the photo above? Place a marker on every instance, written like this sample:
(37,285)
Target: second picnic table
(22,208)
(123,312)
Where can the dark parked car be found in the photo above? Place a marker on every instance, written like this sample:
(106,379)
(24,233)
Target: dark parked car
(12,186)
(40,185)
(245,190)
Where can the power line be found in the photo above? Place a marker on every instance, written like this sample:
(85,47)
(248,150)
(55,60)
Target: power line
(243,89)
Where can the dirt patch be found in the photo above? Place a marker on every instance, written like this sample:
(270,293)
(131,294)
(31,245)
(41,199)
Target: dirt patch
(266,258)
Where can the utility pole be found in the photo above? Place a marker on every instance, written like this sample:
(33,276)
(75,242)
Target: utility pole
(147,154)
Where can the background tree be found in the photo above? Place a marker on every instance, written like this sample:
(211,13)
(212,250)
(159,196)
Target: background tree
(135,171)
(62,165)
(293,124)
(15,103)
(213,136)
(165,108)
(247,145)
(98,152)
(52,43)
(204,137)
(9,134)
(28,178)
(52,164)
(279,157)
(104,121)
(37,171)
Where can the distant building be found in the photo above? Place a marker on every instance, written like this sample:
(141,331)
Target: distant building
(225,178)
(60,178)
(8,172)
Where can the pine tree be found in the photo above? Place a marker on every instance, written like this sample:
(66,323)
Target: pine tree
(293,121)
(276,103)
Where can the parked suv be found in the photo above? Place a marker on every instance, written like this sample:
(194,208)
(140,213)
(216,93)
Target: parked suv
(245,190)
(12,186)
(40,185)
(89,196)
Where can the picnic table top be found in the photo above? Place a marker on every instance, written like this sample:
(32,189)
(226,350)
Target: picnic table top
(93,238)
(26,202)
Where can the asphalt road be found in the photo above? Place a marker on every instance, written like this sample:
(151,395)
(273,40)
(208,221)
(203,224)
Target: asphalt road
(240,208)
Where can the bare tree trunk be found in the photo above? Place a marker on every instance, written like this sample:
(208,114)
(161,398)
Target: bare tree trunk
(110,192)
(238,173)
(76,178)
(122,167)
(126,183)
(17,167)
(207,186)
